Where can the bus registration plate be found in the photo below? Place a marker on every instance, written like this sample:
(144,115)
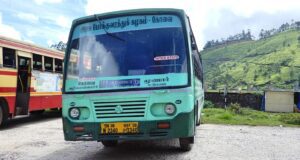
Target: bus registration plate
(119,128)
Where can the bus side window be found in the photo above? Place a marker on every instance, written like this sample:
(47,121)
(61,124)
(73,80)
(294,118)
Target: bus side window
(9,58)
(197,61)
(37,62)
(48,62)
(58,65)
(197,66)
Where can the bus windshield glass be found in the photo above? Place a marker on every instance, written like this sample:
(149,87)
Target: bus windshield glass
(145,51)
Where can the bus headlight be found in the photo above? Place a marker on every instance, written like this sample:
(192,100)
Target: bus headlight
(74,113)
(170,109)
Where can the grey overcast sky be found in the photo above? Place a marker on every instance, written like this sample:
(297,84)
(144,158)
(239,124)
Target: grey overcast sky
(45,22)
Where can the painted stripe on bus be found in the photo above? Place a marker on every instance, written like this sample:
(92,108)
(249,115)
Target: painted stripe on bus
(10,73)
(44,93)
(8,94)
(13,94)
(13,89)
(8,89)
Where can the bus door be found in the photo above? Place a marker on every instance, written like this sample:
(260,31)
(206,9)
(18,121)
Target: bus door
(23,85)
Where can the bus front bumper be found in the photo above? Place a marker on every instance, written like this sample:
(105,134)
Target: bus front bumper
(181,126)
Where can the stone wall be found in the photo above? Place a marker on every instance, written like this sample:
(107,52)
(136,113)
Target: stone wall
(244,99)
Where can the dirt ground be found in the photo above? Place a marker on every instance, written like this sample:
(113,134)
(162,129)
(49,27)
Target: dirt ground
(42,138)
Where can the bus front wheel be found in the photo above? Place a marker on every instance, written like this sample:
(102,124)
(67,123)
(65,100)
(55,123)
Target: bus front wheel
(197,117)
(186,143)
(110,143)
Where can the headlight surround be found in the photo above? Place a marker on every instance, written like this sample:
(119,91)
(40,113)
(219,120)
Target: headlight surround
(74,113)
(170,109)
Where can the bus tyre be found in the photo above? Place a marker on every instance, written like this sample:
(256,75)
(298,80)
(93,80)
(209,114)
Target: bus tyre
(3,115)
(197,116)
(186,143)
(198,121)
(110,143)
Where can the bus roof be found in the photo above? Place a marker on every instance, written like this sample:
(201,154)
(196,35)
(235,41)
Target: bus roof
(29,47)
(131,11)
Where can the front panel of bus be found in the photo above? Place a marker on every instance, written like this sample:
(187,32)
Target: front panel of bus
(128,77)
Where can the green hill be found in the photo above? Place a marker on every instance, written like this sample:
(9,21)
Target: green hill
(274,61)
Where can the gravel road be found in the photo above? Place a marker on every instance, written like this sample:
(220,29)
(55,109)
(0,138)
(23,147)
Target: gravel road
(42,138)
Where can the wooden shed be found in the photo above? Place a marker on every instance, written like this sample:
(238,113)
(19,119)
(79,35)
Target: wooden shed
(279,101)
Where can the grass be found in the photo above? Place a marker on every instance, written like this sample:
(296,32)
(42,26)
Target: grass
(246,116)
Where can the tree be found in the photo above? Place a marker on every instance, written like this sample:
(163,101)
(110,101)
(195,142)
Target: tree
(243,36)
(278,78)
(61,46)
(287,26)
(207,45)
(248,35)
(292,73)
(261,34)
(255,76)
(297,25)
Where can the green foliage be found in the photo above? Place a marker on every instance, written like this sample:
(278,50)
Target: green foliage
(208,104)
(235,108)
(278,78)
(254,63)
(290,118)
(247,116)
(283,43)
(293,52)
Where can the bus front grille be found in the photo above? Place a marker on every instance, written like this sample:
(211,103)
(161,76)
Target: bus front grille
(120,109)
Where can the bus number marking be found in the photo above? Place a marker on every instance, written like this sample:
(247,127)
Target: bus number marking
(119,127)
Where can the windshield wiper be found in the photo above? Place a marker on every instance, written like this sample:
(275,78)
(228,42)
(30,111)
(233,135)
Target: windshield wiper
(108,33)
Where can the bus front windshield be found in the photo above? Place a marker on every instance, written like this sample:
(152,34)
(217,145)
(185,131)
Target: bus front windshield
(146,51)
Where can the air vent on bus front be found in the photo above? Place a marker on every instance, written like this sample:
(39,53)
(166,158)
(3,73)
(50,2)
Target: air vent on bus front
(121,108)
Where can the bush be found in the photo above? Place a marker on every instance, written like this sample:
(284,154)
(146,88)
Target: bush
(235,108)
(290,118)
(208,104)
(293,52)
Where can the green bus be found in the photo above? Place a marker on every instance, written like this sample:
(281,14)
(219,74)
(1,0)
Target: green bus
(132,75)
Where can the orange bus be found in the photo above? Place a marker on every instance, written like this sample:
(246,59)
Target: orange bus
(30,78)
